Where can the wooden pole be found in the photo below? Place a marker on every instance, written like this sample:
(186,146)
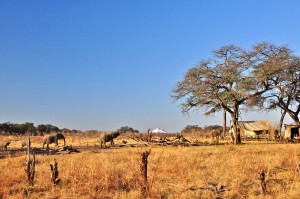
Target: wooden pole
(263,182)
(144,173)
(30,164)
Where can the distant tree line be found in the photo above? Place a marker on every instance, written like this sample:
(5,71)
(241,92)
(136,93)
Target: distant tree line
(205,131)
(28,128)
(191,129)
(196,128)
(8,128)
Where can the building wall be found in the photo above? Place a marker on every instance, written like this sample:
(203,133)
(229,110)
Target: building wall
(287,131)
(249,133)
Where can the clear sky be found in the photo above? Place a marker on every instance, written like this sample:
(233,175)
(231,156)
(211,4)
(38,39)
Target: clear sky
(107,64)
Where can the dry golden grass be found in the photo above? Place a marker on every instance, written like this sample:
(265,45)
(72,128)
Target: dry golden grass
(172,172)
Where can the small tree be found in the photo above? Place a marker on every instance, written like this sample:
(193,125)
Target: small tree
(41,128)
(126,129)
(29,128)
(191,128)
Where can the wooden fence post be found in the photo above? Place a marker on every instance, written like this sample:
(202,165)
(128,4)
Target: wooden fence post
(30,164)
(144,173)
(263,182)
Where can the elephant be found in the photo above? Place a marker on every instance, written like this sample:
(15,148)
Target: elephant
(216,135)
(49,139)
(4,145)
(108,137)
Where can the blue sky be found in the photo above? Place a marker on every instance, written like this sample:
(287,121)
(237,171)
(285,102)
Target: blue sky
(107,64)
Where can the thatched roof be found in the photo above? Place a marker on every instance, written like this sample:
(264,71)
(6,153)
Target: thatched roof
(295,124)
(252,125)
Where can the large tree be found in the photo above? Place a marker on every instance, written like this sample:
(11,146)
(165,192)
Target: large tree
(281,69)
(222,82)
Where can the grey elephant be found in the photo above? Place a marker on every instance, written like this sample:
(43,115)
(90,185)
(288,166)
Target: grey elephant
(108,137)
(49,139)
(4,145)
(215,134)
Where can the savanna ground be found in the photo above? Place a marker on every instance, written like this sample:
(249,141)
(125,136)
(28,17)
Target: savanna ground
(173,171)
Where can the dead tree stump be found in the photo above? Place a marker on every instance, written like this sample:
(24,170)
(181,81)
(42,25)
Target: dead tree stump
(144,173)
(149,135)
(263,183)
(30,164)
(298,167)
(54,173)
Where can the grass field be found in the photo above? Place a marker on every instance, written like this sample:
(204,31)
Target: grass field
(173,172)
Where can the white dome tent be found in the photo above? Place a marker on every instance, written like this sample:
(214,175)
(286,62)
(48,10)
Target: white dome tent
(158,130)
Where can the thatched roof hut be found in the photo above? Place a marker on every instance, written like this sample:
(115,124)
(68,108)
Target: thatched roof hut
(292,131)
(251,128)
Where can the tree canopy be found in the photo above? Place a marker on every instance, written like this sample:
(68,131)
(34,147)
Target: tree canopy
(281,69)
(126,129)
(234,76)
(26,128)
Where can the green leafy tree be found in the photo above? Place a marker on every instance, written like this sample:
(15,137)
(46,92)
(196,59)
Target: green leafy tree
(29,128)
(126,129)
(47,128)
(191,128)
(5,127)
(42,128)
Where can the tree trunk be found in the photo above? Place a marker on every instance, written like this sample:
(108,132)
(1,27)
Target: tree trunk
(294,117)
(234,117)
(281,123)
(224,123)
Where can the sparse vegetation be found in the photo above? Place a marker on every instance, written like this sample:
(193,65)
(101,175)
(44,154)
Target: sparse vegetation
(173,172)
